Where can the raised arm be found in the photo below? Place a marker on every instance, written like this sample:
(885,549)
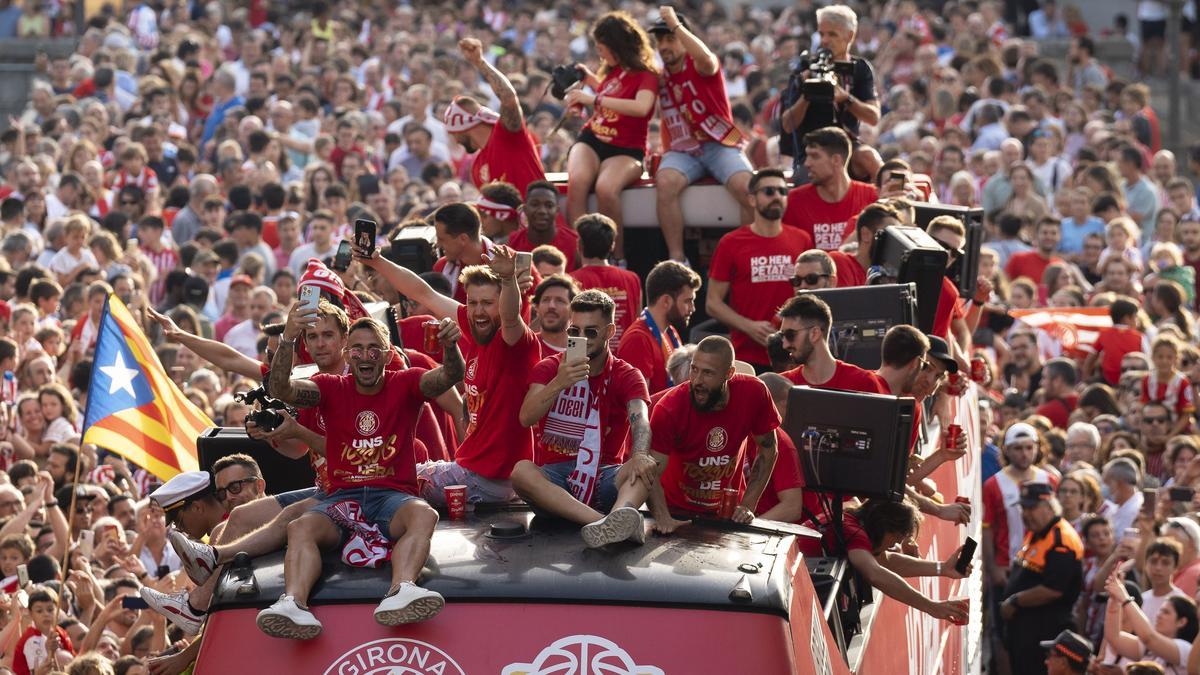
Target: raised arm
(760,475)
(300,393)
(219,354)
(409,284)
(896,587)
(707,63)
(510,105)
(438,381)
(503,263)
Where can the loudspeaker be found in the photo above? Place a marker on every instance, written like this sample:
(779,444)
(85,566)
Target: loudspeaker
(861,317)
(282,474)
(965,271)
(907,255)
(414,247)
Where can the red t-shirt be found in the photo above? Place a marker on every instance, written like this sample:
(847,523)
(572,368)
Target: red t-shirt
(849,271)
(509,156)
(1058,410)
(625,384)
(370,438)
(947,309)
(1114,343)
(846,377)
(1175,392)
(785,476)
(855,537)
(1029,264)
(623,286)
(827,224)
(759,271)
(495,386)
(639,349)
(566,241)
(412,335)
(918,410)
(624,131)
(705,449)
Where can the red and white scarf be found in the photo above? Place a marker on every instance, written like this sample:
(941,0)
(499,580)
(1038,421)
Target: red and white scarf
(574,422)
(367,546)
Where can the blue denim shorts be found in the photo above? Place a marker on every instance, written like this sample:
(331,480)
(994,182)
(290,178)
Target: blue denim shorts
(288,498)
(605,494)
(378,505)
(716,160)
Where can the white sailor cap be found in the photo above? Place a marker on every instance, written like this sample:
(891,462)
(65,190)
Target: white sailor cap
(181,489)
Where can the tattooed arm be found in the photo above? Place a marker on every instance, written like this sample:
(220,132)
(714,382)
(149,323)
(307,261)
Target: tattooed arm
(300,393)
(438,381)
(510,105)
(760,475)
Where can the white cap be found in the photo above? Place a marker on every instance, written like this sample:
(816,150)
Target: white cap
(177,491)
(1019,432)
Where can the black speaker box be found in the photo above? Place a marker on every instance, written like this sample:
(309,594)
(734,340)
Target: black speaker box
(907,255)
(281,473)
(965,271)
(414,247)
(861,317)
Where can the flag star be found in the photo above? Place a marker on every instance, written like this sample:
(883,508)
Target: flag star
(120,376)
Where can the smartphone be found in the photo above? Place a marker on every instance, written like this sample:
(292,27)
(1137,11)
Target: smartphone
(965,557)
(22,576)
(523,262)
(1149,499)
(897,181)
(1181,493)
(309,297)
(341,261)
(87,543)
(576,348)
(365,232)
(134,602)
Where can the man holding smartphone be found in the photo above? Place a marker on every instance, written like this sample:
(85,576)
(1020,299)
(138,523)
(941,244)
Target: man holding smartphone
(583,407)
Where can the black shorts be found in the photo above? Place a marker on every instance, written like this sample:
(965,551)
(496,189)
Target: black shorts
(1153,29)
(605,150)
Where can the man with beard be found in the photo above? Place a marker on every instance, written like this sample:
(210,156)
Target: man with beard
(699,133)
(670,300)
(542,226)
(1033,264)
(583,411)
(823,208)
(371,415)
(751,271)
(506,150)
(1024,371)
(552,300)
(805,321)
(699,430)
(459,236)
(1189,238)
(500,351)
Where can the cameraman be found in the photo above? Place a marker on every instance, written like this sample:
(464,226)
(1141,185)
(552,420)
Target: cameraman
(854,99)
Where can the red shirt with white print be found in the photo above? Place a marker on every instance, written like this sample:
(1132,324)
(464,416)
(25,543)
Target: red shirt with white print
(828,224)
(623,131)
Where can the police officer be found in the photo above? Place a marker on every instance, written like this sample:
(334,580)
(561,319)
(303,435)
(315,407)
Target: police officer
(1045,580)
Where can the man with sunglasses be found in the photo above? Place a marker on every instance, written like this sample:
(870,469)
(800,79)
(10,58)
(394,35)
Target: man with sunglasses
(238,480)
(751,270)
(1155,424)
(582,411)
(950,320)
(370,415)
(814,270)
(805,321)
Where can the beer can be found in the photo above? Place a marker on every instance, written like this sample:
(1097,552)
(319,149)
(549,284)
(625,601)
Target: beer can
(951,436)
(729,503)
(456,501)
(978,369)
(432,346)
(962,500)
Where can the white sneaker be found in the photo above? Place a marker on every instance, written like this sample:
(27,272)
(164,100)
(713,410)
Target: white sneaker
(175,607)
(622,524)
(199,560)
(409,604)
(286,619)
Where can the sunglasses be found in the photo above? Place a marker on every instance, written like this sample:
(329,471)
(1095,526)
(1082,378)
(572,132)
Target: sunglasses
(234,488)
(809,279)
(126,202)
(773,191)
(1156,420)
(790,334)
(591,332)
(370,353)
(954,252)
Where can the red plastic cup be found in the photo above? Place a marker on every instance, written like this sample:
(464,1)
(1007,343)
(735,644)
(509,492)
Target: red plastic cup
(729,503)
(456,501)
(431,327)
(962,500)
(950,438)
(956,384)
(978,369)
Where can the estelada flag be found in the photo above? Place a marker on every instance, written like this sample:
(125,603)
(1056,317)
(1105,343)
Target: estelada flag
(133,408)
(1075,328)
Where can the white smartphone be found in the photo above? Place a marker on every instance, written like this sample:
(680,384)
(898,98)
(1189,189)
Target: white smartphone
(309,297)
(87,541)
(523,262)
(22,576)
(576,348)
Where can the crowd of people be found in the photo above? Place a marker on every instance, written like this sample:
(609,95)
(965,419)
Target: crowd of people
(203,163)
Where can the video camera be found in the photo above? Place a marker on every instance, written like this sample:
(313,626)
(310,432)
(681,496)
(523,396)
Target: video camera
(562,79)
(823,74)
(267,417)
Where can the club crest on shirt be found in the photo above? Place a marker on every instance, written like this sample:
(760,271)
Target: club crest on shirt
(471,369)
(717,438)
(367,422)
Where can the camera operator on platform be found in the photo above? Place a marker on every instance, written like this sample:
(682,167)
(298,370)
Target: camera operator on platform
(854,100)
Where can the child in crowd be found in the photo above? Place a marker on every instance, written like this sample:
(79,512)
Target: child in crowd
(15,550)
(1121,237)
(60,414)
(43,640)
(74,257)
(1167,384)
(1115,342)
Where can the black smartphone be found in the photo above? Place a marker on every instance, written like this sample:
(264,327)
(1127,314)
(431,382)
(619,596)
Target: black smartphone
(134,602)
(365,232)
(1149,499)
(341,261)
(966,555)
(1181,494)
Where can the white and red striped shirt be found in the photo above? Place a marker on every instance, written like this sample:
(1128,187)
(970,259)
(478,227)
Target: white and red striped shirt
(147,180)
(164,260)
(1175,392)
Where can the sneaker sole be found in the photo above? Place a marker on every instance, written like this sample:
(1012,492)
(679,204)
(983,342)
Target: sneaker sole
(280,626)
(616,526)
(417,610)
